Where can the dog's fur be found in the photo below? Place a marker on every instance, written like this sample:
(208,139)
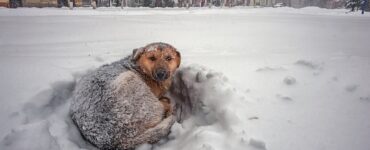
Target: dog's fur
(122,105)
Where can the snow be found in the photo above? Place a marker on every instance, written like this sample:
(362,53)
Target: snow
(263,78)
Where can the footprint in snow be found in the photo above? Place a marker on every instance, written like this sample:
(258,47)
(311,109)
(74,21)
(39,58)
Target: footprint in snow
(308,64)
(253,118)
(207,147)
(270,69)
(99,59)
(257,144)
(365,98)
(284,98)
(351,88)
(289,80)
(335,78)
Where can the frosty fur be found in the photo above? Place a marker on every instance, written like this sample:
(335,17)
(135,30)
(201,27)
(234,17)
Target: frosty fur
(114,108)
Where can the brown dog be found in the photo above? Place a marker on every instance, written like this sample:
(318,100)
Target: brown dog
(122,104)
(157,63)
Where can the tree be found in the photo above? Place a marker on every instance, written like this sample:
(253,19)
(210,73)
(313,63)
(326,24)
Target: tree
(168,3)
(148,3)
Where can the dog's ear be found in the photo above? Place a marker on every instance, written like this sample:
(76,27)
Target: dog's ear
(136,53)
(179,58)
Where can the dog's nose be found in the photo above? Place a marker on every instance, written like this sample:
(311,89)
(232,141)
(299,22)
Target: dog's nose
(161,74)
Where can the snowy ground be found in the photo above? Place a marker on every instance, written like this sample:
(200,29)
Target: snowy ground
(291,79)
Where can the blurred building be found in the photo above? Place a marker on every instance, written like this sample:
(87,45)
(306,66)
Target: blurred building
(81,3)
(331,4)
(40,3)
(4,3)
(317,3)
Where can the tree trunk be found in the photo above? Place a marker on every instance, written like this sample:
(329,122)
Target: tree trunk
(70,5)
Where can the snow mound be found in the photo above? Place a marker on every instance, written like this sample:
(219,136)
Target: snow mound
(46,123)
(207,117)
(206,112)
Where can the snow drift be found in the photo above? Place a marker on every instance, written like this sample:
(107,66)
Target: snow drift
(46,122)
(203,99)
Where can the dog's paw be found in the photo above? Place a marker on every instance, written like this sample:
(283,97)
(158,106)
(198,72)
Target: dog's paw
(168,109)
(165,99)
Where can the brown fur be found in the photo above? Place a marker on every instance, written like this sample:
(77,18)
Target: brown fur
(153,57)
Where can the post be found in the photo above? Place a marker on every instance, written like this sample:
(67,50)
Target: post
(70,4)
(93,4)
(363,6)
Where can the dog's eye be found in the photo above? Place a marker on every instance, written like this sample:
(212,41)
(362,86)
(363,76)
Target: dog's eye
(168,58)
(152,58)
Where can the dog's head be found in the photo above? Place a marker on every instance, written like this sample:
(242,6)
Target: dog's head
(157,60)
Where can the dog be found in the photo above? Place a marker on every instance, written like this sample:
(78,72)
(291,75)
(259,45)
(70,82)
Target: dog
(123,104)
(157,63)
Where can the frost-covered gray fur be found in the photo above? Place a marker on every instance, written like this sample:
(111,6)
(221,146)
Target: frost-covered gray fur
(113,107)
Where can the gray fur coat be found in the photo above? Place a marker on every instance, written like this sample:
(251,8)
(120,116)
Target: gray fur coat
(112,105)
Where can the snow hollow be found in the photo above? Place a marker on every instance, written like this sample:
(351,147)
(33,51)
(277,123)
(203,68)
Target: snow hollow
(264,78)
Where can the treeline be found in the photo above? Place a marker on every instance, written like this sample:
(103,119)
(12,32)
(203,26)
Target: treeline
(179,3)
(331,4)
(222,3)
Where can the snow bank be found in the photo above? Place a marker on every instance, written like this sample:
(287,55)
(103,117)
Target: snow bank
(205,109)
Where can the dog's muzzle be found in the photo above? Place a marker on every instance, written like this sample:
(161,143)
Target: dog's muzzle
(161,74)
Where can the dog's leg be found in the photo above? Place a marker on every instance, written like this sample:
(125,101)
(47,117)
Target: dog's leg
(166,102)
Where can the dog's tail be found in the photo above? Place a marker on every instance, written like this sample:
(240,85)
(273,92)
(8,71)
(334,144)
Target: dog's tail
(151,135)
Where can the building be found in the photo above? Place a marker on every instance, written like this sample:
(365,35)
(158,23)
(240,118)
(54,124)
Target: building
(4,3)
(40,3)
(266,3)
(81,3)
(318,3)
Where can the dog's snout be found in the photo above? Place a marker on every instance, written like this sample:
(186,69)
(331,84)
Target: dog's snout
(161,74)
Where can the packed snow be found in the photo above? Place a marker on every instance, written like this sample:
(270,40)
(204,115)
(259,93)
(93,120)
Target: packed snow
(259,78)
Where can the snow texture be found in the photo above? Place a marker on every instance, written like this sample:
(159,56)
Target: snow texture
(46,123)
